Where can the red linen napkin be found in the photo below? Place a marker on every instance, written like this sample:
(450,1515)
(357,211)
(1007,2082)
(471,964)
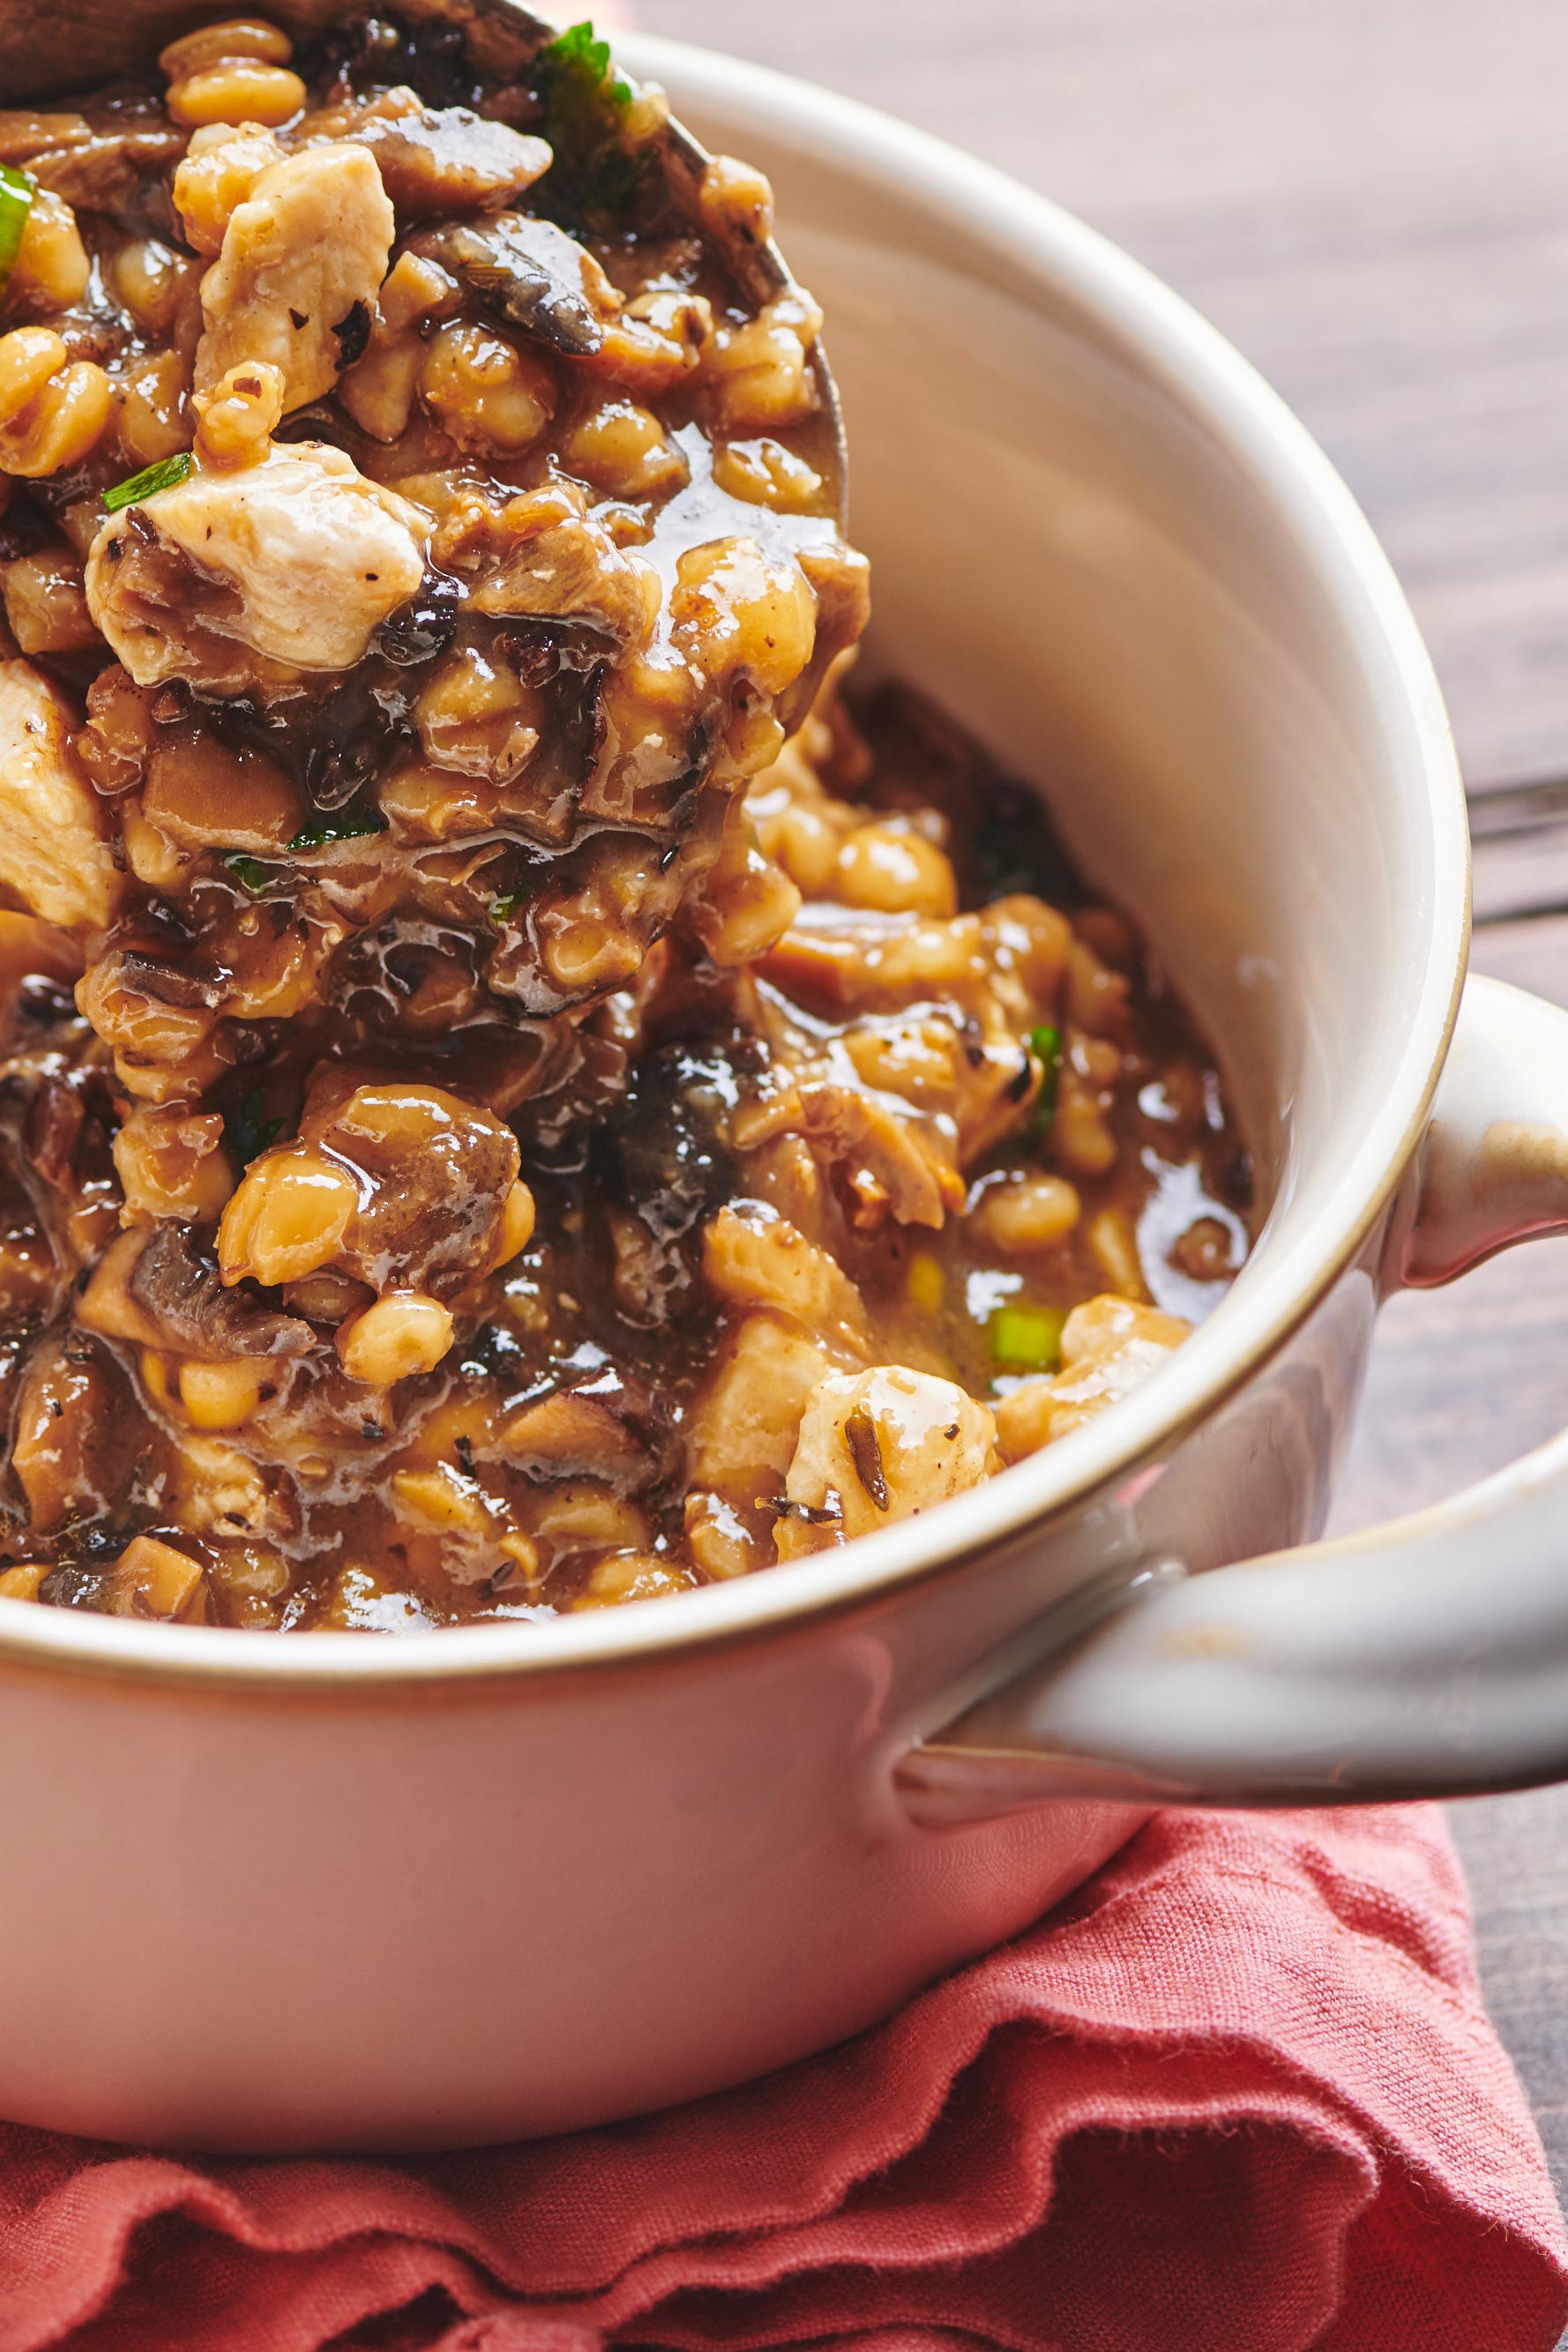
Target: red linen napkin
(1237,2096)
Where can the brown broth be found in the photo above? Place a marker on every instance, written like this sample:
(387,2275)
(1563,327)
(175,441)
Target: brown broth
(514,1095)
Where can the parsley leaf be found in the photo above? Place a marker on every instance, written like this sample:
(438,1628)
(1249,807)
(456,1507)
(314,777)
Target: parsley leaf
(244,1131)
(577,47)
(250,871)
(585,102)
(577,75)
(529,885)
(346,825)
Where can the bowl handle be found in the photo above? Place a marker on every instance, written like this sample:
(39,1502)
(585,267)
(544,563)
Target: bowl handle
(1425,1657)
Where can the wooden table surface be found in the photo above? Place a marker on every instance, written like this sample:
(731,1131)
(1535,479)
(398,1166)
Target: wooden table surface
(1370,198)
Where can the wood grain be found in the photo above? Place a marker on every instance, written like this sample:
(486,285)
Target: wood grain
(1370,197)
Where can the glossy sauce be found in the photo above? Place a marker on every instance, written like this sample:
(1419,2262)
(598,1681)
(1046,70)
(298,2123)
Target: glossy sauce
(555,1108)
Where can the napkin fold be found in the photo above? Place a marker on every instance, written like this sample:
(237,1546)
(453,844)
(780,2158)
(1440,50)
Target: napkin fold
(1238,2095)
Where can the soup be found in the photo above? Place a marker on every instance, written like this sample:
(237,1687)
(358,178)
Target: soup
(521,1095)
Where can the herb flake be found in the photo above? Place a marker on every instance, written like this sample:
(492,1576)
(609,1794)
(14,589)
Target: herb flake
(244,1131)
(585,103)
(353,334)
(150,481)
(577,71)
(250,871)
(1045,1045)
(864,1440)
(344,825)
(811,1515)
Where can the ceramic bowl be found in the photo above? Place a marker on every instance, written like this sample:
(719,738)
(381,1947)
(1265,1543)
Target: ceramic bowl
(276,1892)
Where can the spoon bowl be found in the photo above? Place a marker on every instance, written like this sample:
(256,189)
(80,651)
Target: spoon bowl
(111,39)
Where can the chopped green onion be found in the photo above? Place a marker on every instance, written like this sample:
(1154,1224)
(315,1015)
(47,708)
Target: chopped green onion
(506,905)
(349,824)
(1026,1338)
(587,103)
(17,190)
(149,482)
(1045,1045)
(577,56)
(578,47)
(248,870)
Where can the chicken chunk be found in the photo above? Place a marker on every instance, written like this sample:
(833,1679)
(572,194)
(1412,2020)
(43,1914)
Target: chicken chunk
(876,1446)
(743,1430)
(216,1490)
(155,1579)
(753,1258)
(299,559)
(307,245)
(607,1427)
(891,1161)
(1109,1345)
(54,851)
(544,556)
(63,1435)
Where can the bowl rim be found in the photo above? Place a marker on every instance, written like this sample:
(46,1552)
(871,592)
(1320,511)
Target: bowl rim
(1048,247)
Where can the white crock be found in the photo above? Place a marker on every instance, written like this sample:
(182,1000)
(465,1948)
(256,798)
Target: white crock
(270,1891)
